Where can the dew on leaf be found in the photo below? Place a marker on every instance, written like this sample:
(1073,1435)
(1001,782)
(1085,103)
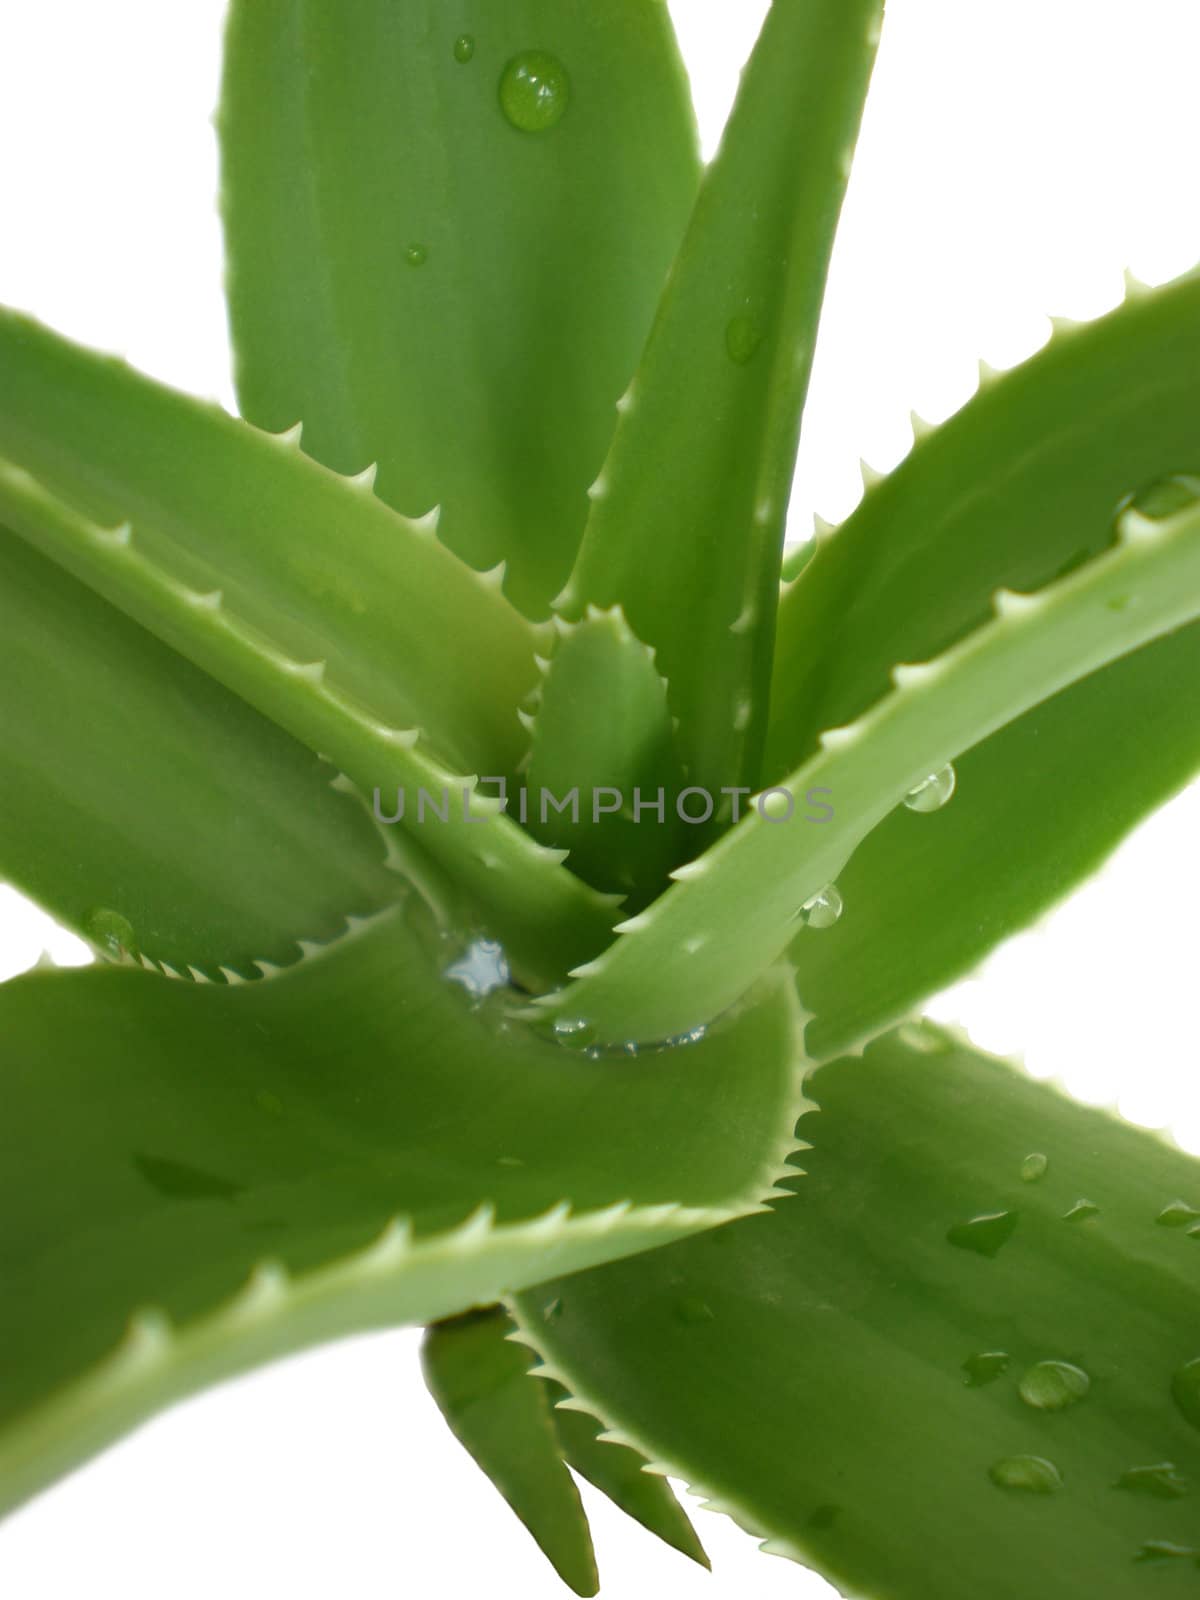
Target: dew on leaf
(1081,1210)
(985,1234)
(692,1310)
(932,793)
(1034,1474)
(574,1030)
(823,910)
(464,48)
(984,1368)
(112,933)
(416,255)
(1162,1480)
(534,91)
(1164,497)
(1034,1167)
(1164,1550)
(1053,1385)
(1185,1391)
(1177,1214)
(743,336)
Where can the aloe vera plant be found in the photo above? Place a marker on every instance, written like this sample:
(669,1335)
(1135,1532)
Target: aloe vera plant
(471,942)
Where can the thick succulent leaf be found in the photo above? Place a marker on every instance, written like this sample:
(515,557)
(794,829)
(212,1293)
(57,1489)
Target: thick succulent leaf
(481,1383)
(1036,809)
(620,1472)
(546,916)
(1020,485)
(194,1178)
(138,788)
(688,513)
(964,1358)
(602,730)
(734,909)
(409,267)
(316,564)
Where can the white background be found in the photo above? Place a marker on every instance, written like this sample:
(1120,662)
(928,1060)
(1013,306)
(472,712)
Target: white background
(1016,155)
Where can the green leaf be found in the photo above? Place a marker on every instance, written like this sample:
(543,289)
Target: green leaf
(545,915)
(481,1383)
(848,1381)
(735,908)
(1036,809)
(317,564)
(688,513)
(602,722)
(136,786)
(432,288)
(197,1178)
(621,1474)
(1020,485)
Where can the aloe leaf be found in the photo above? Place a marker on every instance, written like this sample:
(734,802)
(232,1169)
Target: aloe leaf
(667,974)
(1037,808)
(480,1381)
(198,1178)
(687,515)
(408,264)
(602,742)
(620,1473)
(935,1360)
(136,788)
(1020,485)
(544,914)
(317,563)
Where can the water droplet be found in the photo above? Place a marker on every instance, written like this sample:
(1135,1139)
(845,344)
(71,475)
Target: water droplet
(1034,1474)
(693,1310)
(1177,1214)
(823,910)
(924,1038)
(1164,1550)
(986,1234)
(464,48)
(984,1368)
(574,1030)
(112,934)
(1165,497)
(534,91)
(268,1103)
(932,793)
(1081,1211)
(416,255)
(1034,1167)
(1053,1385)
(1162,1480)
(743,336)
(481,969)
(1185,1391)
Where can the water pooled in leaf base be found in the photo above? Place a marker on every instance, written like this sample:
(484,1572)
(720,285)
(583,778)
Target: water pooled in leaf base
(933,792)
(1033,1474)
(534,91)
(481,969)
